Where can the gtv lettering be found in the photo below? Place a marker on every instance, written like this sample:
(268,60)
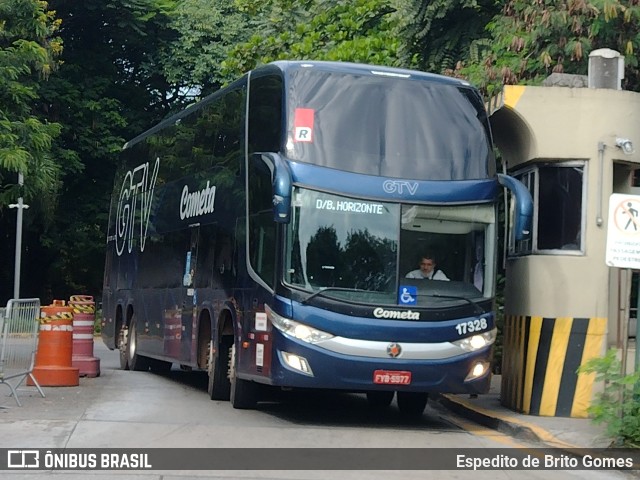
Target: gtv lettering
(134,204)
(400,186)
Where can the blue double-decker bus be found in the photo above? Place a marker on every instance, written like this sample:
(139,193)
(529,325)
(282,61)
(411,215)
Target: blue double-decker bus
(316,225)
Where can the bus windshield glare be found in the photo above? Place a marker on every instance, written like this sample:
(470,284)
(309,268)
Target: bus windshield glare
(392,127)
(362,250)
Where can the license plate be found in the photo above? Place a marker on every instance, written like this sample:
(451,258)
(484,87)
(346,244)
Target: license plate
(392,377)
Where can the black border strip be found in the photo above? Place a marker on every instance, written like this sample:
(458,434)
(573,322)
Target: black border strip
(572,360)
(542,360)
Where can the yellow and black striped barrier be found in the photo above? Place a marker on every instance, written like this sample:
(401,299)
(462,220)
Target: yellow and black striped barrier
(540,360)
(56,316)
(83,304)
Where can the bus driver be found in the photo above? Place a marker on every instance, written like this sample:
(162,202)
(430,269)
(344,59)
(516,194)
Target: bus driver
(427,269)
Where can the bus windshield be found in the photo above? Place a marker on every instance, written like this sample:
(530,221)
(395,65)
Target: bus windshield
(362,251)
(392,127)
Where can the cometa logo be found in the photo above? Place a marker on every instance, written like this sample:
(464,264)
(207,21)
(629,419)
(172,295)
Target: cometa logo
(396,314)
(194,204)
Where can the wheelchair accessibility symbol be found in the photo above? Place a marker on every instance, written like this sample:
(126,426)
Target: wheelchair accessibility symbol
(408,295)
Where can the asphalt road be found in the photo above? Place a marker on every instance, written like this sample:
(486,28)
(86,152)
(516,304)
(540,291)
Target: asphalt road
(139,410)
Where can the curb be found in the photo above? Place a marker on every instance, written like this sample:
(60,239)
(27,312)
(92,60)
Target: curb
(507,424)
(516,427)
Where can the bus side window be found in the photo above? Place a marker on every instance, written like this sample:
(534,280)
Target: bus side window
(265,132)
(262,228)
(223,255)
(265,114)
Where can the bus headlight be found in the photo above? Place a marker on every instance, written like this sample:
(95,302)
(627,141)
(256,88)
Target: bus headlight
(476,342)
(479,369)
(297,363)
(295,329)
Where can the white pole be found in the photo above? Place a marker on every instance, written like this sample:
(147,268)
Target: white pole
(20,206)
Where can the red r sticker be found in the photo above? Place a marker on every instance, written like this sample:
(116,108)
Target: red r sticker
(303,124)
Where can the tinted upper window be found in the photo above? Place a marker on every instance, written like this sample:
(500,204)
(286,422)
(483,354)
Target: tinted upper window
(394,127)
(265,114)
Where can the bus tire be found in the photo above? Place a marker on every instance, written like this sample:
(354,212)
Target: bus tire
(243,394)
(412,404)
(218,368)
(379,400)
(136,362)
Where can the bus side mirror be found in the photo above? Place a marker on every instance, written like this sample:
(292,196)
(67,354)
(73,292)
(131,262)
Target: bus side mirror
(523,212)
(281,186)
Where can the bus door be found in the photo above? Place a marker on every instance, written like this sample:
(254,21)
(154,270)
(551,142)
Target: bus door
(190,299)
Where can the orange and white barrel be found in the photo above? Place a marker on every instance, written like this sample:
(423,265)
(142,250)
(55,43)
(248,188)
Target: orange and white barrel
(53,363)
(84,319)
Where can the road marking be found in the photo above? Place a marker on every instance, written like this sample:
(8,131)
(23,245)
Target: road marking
(543,435)
(477,429)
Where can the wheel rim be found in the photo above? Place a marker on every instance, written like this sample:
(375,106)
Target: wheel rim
(123,336)
(210,359)
(232,364)
(122,345)
(131,344)
(210,369)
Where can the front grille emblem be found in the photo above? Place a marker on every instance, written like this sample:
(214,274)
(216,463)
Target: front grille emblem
(394,350)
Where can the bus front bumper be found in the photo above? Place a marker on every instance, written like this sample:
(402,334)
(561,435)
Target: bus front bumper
(301,365)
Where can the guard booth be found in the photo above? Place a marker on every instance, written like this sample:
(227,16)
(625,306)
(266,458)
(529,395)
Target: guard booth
(573,142)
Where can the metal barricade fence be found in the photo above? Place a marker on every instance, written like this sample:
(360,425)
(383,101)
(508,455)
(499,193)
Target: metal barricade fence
(18,343)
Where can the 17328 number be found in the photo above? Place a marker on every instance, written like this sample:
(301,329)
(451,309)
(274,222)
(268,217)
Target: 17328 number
(473,326)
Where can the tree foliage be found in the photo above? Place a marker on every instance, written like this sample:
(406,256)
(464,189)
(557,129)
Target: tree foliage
(29,49)
(126,64)
(617,405)
(356,31)
(529,40)
(438,34)
(205,32)
(109,89)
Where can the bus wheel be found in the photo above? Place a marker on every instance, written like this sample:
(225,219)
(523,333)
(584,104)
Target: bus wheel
(379,400)
(412,404)
(217,368)
(244,394)
(136,362)
(122,347)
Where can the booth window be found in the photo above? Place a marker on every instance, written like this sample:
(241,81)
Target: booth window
(558,194)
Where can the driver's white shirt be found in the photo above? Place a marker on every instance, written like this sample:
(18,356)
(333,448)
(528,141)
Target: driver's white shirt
(434,275)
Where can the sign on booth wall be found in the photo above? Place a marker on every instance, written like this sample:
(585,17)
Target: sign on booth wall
(623,231)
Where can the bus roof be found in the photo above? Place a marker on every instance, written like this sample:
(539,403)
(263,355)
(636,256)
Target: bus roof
(285,66)
(362,69)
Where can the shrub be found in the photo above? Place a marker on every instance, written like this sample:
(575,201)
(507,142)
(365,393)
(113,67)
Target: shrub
(618,405)
(97,325)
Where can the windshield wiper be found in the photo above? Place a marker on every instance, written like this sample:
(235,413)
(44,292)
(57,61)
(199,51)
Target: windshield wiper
(335,289)
(478,308)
